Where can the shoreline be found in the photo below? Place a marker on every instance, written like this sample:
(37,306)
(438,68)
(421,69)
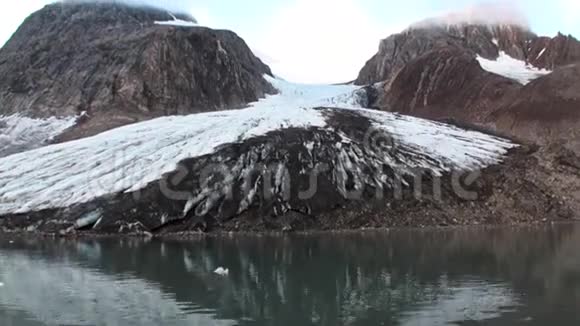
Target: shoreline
(196,235)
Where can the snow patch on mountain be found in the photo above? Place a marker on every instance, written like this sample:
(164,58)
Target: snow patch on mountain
(19,133)
(177,22)
(512,68)
(129,158)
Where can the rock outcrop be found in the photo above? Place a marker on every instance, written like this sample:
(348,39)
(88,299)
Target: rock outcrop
(487,41)
(550,53)
(446,83)
(547,110)
(436,72)
(116,64)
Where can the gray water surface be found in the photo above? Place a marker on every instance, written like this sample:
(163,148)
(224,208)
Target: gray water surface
(510,276)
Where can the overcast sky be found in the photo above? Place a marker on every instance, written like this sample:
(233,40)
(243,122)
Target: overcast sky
(325,40)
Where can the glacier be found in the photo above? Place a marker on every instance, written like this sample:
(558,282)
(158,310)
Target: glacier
(19,133)
(130,158)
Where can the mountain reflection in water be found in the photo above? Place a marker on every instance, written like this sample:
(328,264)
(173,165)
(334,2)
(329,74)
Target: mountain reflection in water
(501,276)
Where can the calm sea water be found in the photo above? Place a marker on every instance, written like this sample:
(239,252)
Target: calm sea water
(522,276)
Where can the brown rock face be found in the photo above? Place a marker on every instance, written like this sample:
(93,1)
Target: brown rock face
(486,41)
(550,53)
(446,83)
(429,75)
(398,50)
(449,84)
(431,71)
(547,110)
(114,63)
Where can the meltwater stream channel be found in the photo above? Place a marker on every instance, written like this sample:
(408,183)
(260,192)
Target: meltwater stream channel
(474,276)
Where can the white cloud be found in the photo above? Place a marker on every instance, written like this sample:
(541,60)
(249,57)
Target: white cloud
(14,13)
(12,16)
(171,5)
(570,10)
(321,41)
(491,13)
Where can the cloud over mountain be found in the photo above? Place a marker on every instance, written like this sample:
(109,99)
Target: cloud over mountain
(181,6)
(494,13)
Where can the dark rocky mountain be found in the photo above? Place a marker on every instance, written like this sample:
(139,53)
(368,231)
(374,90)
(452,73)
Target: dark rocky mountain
(547,110)
(432,72)
(446,83)
(550,53)
(449,84)
(484,40)
(113,62)
(399,49)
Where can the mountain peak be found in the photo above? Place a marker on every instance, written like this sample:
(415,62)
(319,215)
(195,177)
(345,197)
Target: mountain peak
(117,63)
(114,12)
(484,40)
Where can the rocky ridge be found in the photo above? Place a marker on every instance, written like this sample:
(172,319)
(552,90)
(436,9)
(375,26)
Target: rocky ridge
(487,41)
(116,64)
(550,53)
(437,72)
(433,71)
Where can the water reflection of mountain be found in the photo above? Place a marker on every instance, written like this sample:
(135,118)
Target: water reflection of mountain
(409,278)
(59,291)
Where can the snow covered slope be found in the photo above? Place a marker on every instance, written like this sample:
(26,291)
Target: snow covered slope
(512,68)
(129,158)
(18,133)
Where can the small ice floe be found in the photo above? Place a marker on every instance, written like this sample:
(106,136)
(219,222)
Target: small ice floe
(1,284)
(222,271)
(11,242)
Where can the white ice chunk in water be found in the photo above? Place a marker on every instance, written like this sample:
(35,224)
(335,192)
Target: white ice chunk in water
(222,271)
